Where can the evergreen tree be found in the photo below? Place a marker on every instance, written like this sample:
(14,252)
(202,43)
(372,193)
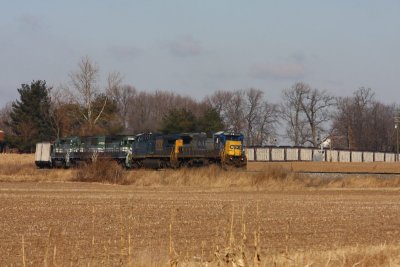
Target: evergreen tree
(179,121)
(210,122)
(183,120)
(30,117)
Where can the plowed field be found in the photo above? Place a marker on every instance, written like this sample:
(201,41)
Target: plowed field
(46,224)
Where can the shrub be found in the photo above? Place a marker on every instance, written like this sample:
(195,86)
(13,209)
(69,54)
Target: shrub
(103,171)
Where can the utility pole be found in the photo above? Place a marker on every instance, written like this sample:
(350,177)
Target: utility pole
(396,126)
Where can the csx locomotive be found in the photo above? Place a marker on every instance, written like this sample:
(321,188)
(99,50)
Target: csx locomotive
(188,149)
(147,150)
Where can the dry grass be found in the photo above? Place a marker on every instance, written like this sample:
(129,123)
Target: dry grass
(214,176)
(261,176)
(17,164)
(381,255)
(269,178)
(102,171)
(21,168)
(233,254)
(373,167)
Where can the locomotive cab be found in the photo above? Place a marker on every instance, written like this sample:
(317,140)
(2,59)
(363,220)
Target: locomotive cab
(231,148)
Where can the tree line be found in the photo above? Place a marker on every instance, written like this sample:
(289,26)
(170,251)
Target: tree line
(305,116)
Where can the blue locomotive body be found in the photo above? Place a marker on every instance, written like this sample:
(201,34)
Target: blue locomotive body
(155,150)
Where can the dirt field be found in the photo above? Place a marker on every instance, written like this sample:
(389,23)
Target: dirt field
(199,217)
(94,224)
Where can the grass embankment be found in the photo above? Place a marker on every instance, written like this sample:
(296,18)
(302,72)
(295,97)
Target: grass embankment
(21,168)
(351,167)
(272,176)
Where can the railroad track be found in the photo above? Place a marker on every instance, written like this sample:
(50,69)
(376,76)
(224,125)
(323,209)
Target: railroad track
(355,173)
(335,173)
(314,172)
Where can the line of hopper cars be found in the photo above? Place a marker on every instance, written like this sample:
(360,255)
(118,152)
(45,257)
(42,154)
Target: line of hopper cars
(147,150)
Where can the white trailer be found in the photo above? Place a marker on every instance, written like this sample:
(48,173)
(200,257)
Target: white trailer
(43,155)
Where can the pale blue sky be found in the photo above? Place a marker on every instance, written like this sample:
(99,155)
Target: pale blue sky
(197,47)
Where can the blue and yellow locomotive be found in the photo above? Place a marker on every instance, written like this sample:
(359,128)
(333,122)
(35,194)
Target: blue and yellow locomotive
(188,149)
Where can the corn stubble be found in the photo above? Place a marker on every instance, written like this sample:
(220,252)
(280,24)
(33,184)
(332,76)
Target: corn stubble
(194,217)
(123,239)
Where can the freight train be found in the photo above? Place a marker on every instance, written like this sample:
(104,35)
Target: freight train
(147,150)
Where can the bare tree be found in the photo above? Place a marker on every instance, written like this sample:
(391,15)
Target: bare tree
(65,113)
(363,99)
(235,112)
(316,106)
(342,123)
(140,117)
(306,112)
(149,109)
(291,112)
(56,112)
(361,122)
(252,116)
(266,124)
(86,90)
(220,102)
(380,127)
(114,81)
(246,111)
(351,119)
(123,97)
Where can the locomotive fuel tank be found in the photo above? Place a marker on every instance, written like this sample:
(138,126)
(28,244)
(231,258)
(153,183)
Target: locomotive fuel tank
(153,164)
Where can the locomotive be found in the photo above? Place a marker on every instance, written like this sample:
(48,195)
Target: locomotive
(188,149)
(147,150)
(74,150)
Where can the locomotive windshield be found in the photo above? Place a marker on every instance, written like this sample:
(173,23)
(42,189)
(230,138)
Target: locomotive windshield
(222,137)
(234,137)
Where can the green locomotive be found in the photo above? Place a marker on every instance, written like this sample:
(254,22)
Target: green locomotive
(73,150)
